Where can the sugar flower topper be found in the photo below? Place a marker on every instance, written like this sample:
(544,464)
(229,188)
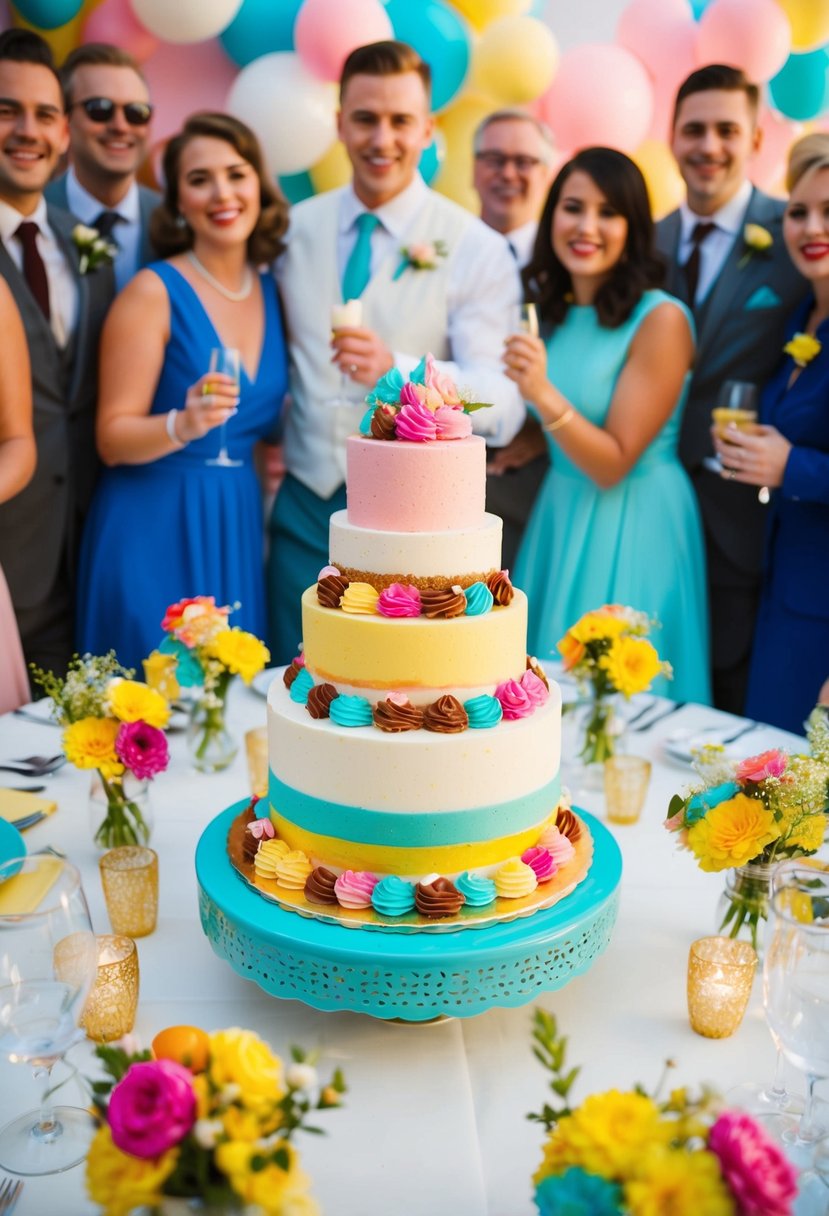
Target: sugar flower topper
(756,239)
(423,255)
(94,250)
(803,348)
(423,408)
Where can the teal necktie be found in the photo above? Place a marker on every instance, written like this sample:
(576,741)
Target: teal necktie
(358,268)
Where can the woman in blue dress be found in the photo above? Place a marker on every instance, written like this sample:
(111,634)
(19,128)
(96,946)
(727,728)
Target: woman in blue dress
(616,520)
(167,521)
(789,455)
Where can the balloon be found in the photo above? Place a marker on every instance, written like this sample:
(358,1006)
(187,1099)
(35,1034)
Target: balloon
(64,38)
(259,28)
(750,34)
(457,125)
(296,186)
(801,88)
(208,73)
(663,34)
(291,111)
(515,60)
(185,20)
(333,170)
(810,22)
(767,168)
(327,31)
(601,95)
(114,21)
(666,189)
(48,14)
(432,157)
(480,12)
(440,36)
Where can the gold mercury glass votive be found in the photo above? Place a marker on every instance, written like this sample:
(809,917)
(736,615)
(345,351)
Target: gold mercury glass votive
(626,780)
(160,674)
(256,747)
(720,975)
(109,1012)
(129,876)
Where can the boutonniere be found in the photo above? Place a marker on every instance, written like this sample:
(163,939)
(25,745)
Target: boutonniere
(422,256)
(802,348)
(93,249)
(756,239)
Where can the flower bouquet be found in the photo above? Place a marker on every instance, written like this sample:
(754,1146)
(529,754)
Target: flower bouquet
(608,652)
(206,1117)
(628,1153)
(113,725)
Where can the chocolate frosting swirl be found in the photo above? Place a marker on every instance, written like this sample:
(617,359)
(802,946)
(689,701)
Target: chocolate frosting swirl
(501,587)
(568,825)
(291,673)
(330,589)
(319,700)
(446,716)
(250,845)
(443,603)
(438,898)
(391,717)
(535,667)
(383,424)
(319,886)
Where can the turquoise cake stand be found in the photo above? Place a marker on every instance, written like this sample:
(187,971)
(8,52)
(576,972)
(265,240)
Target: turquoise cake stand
(416,977)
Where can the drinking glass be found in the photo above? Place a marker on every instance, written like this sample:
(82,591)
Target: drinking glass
(225,359)
(527,319)
(346,316)
(48,963)
(737,403)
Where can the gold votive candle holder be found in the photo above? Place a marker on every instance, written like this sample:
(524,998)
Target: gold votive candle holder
(129,876)
(109,1012)
(626,780)
(720,976)
(256,749)
(160,674)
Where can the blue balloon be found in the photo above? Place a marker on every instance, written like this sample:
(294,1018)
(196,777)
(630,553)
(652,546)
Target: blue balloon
(801,88)
(296,186)
(260,27)
(431,159)
(440,36)
(48,14)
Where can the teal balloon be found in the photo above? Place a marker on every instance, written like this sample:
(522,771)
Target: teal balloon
(431,159)
(296,186)
(260,27)
(440,36)
(801,88)
(48,14)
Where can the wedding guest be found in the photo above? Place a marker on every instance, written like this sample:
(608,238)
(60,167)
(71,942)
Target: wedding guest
(450,292)
(727,261)
(110,117)
(789,454)
(62,310)
(616,520)
(171,518)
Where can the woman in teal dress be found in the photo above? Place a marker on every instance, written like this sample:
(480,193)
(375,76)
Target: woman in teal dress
(167,522)
(616,520)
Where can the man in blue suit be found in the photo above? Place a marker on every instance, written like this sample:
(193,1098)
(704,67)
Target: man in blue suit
(727,261)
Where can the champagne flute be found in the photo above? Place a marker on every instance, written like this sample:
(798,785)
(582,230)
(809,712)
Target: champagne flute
(48,963)
(345,316)
(225,359)
(527,319)
(737,404)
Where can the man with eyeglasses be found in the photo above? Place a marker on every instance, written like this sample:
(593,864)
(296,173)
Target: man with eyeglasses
(109,127)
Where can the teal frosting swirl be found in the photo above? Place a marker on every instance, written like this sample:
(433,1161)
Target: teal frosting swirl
(365,421)
(483,712)
(478,599)
(351,711)
(388,388)
(301,686)
(418,376)
(477,890)
(393,896)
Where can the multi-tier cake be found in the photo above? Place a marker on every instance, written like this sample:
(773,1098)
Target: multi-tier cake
(414,747)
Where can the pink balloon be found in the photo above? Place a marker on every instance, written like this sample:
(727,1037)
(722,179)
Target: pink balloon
(185,78)
(327,31)
(767,169)
(601,94)
(754,35)
(115,22)
(663,34)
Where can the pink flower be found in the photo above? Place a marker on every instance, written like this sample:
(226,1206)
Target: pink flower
(409,394)
(142,748)
(400,599)
(423,253)
(760,1178)
(441,383)
(261,828)
(152,1108)
(515,701)
(768,764)
(452,423)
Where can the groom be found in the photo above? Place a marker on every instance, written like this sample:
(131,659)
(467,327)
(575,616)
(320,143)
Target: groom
(351,244)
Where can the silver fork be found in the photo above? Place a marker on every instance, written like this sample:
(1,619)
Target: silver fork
(10,1189)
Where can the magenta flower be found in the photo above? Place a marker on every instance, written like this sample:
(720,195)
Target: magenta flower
(142,748)
(759,1176)
(767,764)
(152,1108)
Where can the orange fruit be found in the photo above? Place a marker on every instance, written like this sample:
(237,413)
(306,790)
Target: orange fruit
(187,1045)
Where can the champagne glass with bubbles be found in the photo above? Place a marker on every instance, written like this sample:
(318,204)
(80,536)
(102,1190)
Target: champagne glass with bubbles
(225,359)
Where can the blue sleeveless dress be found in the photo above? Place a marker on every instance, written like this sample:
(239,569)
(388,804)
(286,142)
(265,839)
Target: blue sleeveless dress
(638,543)
(177,526)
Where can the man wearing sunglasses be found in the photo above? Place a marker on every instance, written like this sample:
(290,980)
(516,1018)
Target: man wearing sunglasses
(109,127)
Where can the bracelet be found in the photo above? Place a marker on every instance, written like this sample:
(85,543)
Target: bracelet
(559,422)
(171,429)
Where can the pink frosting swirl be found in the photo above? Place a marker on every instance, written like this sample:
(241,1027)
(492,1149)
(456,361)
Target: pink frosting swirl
(416,423)
(409,394)
(442,383)
(515,701)
(540,862)
(559,846)
(452,423)
(353,888)
(400,599)
(534,687)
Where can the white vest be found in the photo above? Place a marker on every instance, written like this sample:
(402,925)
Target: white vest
(407,312)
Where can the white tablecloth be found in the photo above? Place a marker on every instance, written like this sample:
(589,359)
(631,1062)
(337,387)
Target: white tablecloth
(434,1120)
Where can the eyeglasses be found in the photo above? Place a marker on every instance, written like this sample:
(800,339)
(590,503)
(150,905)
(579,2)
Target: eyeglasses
(500,160)
(101,109)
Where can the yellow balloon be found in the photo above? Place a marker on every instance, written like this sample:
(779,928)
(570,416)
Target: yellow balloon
(64,38)
(333,170)
(458,122)
(666,188)
(515,60)
(479,13)
(810,22)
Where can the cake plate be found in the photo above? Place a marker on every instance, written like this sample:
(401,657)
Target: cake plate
(416,977)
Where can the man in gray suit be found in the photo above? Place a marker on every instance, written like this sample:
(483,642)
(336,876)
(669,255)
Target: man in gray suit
(741,285)
(109,128)
(62,313)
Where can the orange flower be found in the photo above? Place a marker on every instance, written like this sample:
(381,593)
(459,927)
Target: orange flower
(571,650)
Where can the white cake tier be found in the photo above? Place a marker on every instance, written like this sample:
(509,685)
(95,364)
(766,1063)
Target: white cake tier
(472,551)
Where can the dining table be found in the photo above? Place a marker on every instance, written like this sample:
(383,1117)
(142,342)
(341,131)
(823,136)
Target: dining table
(434,1120)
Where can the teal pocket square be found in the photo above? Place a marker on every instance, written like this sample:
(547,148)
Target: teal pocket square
(763,297)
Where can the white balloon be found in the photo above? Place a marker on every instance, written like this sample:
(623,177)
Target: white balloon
(185,20)
(292,112)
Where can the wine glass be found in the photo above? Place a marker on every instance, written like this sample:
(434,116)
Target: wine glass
(225,359)
(526,320)
(48,963)
(345,316)
(737,404)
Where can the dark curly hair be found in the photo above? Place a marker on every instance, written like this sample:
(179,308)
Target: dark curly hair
(640,267)
(170,236)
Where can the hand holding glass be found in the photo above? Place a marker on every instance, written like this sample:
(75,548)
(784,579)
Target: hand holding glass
(227,360)
(736,405)
(345,316)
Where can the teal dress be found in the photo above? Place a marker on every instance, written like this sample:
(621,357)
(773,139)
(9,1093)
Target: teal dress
(638,543)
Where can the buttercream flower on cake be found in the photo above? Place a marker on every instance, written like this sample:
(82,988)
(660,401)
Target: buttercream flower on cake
(756,239)
(421,409)
(422,255)
(803,348)
(93,249)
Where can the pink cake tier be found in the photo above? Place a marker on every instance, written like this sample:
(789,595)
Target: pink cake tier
(415,487)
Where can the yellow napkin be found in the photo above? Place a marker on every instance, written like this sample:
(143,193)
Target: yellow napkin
(14,804)
(25,892)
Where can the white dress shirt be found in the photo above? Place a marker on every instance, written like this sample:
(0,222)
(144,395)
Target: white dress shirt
(717,245)
(126,234)
(63,291)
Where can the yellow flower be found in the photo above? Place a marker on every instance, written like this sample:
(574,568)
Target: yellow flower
(802,348)
(90,743)
(119,1183)
(132,701)
(678,1183)
(244,1125)
(631,664)
(277,1191)
(240,1057)
(732,833)
(241,653)
(757,238)
(607,1136)
(594,626)
(807,833)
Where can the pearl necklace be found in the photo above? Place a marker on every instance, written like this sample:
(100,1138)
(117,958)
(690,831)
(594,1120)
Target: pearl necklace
(234,296)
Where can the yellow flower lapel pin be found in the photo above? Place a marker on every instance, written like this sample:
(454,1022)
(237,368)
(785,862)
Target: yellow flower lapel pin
(756,239)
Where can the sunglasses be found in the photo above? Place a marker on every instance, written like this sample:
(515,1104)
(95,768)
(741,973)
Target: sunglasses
(101,109)
(500,160)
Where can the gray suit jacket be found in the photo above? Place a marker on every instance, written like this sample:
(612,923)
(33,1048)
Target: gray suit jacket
(40,526)
(55,193)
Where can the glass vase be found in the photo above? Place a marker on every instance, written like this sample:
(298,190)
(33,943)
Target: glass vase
(743,907)
(598,737)
(119,810)
(211,745)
